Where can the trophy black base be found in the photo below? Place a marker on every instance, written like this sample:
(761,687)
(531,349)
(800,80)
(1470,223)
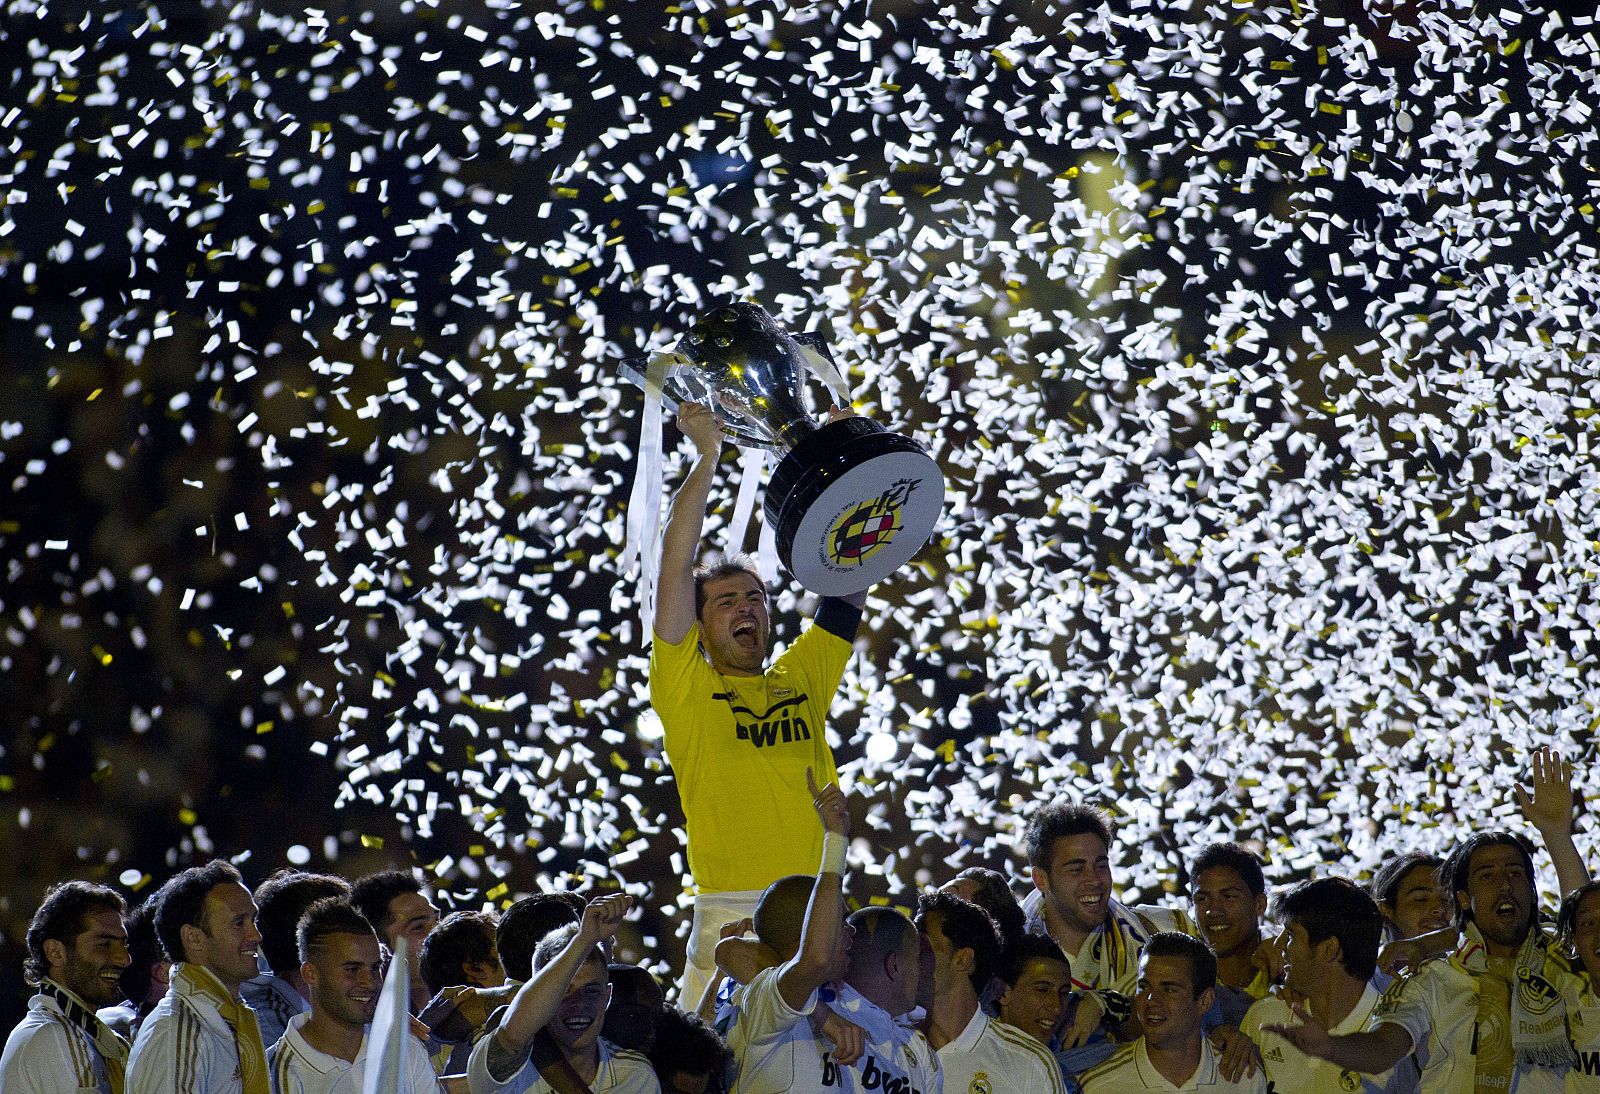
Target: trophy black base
(850,504)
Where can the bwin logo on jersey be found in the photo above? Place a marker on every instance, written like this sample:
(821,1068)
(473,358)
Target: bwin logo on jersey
(873,1077)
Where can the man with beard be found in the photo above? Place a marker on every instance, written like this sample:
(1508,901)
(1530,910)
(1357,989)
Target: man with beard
(1330,950)
(1068,847)
(738,733)
(77,951)
(325,1049)
(567,996)
(1492,1015)
(202,1038)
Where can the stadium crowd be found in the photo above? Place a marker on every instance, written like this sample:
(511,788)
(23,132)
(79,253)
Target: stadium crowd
(1438,976)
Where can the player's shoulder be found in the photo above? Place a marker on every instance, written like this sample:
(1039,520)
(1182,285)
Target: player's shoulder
(634,1071)
(1271,1007)
(1101,1076)
(1018,1045)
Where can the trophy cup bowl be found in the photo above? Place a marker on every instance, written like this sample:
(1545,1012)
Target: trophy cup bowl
(850,502)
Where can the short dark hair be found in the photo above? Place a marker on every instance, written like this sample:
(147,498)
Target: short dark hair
(634,1013)
(1336,907)
(968,927)
(781,912)
(1386,883)
(1567,917)
(1457,868)
(371,896)
(553,943)
(1202,961)
(527,921)
(879,932)
(458,938)
(182,902)
(1029,947)
(723,567)
(327,917)
(62,917)
(1230,856)
(280,902)
(1059,819)
(994,896)
(144,951)
(1385,887)
(686,1043)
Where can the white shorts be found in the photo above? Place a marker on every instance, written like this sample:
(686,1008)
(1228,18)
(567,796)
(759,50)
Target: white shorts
(711,912)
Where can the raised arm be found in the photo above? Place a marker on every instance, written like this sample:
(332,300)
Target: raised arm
(813,964)
(681,541)
(536,1002)
(1369,1053)
(1546,803)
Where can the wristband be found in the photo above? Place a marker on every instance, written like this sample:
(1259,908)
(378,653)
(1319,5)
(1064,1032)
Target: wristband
(834,847)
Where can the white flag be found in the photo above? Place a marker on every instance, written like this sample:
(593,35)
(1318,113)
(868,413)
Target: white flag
(386,1041)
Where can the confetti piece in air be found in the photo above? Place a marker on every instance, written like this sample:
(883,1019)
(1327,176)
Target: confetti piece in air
(1254,342)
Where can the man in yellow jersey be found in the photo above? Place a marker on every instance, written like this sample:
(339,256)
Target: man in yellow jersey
(739,735)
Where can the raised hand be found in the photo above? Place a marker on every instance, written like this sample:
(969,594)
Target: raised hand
(699,423)
(830,804)
(1310,1036)
(604,916)
(1546,803)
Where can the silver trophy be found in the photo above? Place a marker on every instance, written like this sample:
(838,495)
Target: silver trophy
(850,502)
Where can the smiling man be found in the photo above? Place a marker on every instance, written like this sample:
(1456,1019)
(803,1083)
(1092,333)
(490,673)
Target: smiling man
(975,1051)
(394,902)
(1491,1016)
(77,951)
(567,996)
(1229,891)
(202,1038)
(1176,981)
(739,734)
(1068,847)
(324,1049)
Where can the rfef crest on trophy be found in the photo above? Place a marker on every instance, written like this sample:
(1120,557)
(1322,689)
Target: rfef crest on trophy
(849,502)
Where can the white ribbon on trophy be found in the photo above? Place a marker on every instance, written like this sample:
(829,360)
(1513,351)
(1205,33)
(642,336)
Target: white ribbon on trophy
(642,545)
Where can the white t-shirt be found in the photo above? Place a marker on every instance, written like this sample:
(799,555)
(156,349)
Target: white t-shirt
(1438,1006)
(1290,1071)
(622,1071)
(775,1050)
(1129,1071)
(47,1052)
(990,1057)
(297,1068)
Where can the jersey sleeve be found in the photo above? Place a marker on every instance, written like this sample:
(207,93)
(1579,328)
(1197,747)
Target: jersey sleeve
(763,1011)
(1408,1004)
(169,1057)
(818,657)
(480,1081)
(420,1076)
(46,1062)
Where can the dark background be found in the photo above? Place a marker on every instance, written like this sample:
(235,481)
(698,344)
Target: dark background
(1272,510)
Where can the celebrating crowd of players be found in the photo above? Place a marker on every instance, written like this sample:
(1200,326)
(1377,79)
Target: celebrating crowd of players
(210,987)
